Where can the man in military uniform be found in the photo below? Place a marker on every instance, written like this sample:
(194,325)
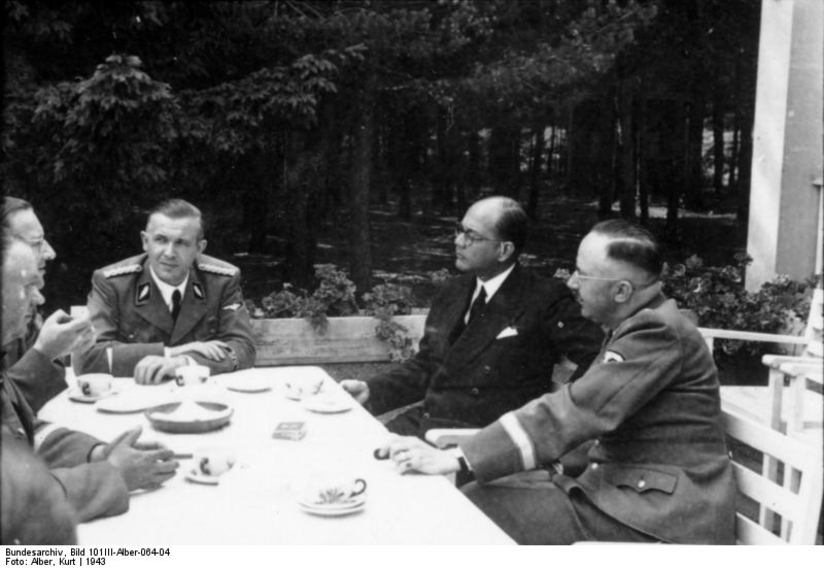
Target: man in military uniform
(492,335)
(94,477)
(658,468)
(169,307)
(35,360)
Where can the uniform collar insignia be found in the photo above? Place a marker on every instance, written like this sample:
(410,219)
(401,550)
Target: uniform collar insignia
(143,292)
(198,290)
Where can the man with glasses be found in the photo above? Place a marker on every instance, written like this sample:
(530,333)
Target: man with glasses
(658,468)
(35,361)
(492,335)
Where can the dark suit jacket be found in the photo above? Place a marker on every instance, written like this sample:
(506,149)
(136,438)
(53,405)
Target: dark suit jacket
(130,316)
(651,401)
(471,382)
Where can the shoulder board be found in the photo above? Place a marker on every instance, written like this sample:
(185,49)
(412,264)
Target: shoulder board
(225,270)
(120,270)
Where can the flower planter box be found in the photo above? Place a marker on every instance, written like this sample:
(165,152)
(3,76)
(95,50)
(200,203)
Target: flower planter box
(293,341)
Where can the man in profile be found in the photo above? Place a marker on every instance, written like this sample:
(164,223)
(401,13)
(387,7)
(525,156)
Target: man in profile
(36,361)
(96,477)
(169,307)
(658,467)
(492,335)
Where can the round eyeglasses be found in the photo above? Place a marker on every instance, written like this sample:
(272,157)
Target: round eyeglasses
(471,237)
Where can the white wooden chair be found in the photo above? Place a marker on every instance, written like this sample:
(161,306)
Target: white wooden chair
(796,504)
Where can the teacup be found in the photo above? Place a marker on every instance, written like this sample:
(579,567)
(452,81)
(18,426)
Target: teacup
(334,489)
(94,384)
(303,386)
(213,461)
(192,375)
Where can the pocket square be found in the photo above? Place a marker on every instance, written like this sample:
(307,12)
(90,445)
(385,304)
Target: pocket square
(508,332)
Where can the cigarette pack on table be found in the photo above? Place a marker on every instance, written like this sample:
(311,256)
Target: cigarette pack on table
(290,430)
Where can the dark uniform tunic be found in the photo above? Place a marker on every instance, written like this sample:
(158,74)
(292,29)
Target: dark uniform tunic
(130,316)
(651,401)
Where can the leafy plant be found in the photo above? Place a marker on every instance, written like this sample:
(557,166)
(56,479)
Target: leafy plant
(383,302)
(717,297)
(334,296)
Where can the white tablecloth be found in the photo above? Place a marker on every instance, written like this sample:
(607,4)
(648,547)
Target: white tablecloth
(256,503)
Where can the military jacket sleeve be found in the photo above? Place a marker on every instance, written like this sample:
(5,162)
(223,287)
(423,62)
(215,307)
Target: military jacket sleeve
(234,328)
(94,490)
(640,360)
(38,378)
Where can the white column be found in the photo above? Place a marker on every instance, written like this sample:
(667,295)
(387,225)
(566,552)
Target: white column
(787,141)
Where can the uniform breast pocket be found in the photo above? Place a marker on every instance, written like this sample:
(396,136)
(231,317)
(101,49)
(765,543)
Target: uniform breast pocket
(641,479)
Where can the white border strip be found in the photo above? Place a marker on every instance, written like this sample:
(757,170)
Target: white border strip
(520,438)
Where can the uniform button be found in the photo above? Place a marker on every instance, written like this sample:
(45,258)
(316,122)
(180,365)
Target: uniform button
(596,443)
(595,466)
(426,415)
(642,484)
(560,324)
(475,392)
(487,369)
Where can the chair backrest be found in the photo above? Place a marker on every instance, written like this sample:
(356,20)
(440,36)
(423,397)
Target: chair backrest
(797,503)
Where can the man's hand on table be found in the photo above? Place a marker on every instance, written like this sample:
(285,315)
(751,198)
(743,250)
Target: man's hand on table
(153,368)
(413,454)
(214,350)
(143,465)
(358,389)
(61,335)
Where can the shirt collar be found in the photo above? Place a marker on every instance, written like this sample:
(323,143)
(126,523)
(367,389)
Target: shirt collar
(492,285)
(166,290)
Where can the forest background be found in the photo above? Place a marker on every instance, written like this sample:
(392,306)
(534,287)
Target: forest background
(357,132)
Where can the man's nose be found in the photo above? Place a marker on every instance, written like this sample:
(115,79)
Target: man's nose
(37,298)
(48,251)
(572,281)
(169,250)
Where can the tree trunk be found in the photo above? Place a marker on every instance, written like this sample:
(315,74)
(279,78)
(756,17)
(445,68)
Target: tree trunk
(643,169)
(474,168)
(256,204)
(677,174)
(626,145)
(718,142)
(536,167)
(694,171)
(360,255)
(744,169)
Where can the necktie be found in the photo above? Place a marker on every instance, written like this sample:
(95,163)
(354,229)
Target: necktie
(175,304)
(477,306)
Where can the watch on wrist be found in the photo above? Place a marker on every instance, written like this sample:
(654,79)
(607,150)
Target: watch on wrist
(463,465)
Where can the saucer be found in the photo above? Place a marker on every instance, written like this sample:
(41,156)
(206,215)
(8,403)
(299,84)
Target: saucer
(196,477)
(77,396)
(248,384)
(332,510)
(353,503)
(326,405)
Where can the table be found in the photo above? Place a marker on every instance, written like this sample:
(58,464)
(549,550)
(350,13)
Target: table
(256,502)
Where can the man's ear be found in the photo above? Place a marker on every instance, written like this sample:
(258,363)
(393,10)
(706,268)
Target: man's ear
(506,251)
(623,291)
(144,236)
(201,246)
